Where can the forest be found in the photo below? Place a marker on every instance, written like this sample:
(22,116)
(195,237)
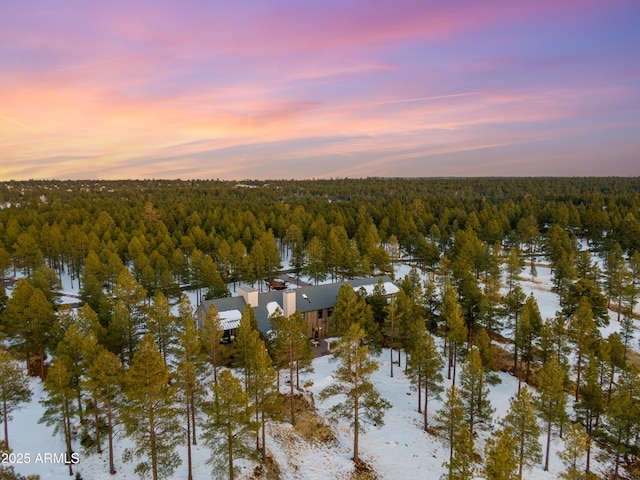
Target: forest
(125,359)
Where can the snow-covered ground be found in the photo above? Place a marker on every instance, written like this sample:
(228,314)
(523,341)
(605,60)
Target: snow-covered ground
(399,449)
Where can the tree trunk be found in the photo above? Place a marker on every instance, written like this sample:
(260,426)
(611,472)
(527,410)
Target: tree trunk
(6,427)
(152,444)
(230,454)
(112,469)
(578,369)
(588,462)
(546,458)
(455,362)
(97,421)
(193,420)
(519,377)
(293,417)
(42,354)
(264,439)
(426,400)
(356,419)
(189,466)
(67,432)
(520,458)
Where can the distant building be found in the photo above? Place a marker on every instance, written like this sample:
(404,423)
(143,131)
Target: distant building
(314,302)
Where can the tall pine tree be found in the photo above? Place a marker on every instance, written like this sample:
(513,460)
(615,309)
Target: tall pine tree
(521,420)
(190,391)
(552,399)
(59,409)
(362,403)
(14,389)
(475,391)
(229,424)
(457,436)
(149,414)
(425,370)
(105,380)
(290,346)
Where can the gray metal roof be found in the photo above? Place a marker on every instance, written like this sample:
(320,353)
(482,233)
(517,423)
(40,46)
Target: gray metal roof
(308,299)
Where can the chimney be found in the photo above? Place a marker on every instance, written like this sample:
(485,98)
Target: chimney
(288,302)
(250,295)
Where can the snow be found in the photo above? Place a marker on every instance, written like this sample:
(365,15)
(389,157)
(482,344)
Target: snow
(389,288)
(398,449)
(273,307)
(230,319)
(401,448)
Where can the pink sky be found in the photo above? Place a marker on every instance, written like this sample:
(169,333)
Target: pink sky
(277,89)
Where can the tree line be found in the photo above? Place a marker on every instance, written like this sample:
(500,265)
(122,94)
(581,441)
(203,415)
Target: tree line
(131,246)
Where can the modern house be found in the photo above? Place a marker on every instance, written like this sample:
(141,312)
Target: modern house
(314,302)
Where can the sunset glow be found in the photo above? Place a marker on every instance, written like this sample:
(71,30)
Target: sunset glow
(284,89)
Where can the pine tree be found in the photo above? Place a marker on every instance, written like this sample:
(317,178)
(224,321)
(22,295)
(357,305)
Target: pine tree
(622,419)
(38,329)
(514,304)
(362,403)
(29,320)
(528,332)
(583,333)
(501,459)
(58,405)
(129,298)
(88,322)
(14,389)
(104,379)
(351,307)
(315,265)
(576,444)
(162,324)
(552,400)
(391,330)
(486,350)
(77,351)
(263,392)
(210,335)
(290,346)
(591,405)
(456,331)
(521,419)
(461,465)
(475,391)
(450,422)
(514,266)
(149,414)
(617,276)
(529,232)
(407,319)
(189,387)
(424,370)
(228,425)
(492,285)
(245,341)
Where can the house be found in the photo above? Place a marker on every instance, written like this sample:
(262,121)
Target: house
(314,302)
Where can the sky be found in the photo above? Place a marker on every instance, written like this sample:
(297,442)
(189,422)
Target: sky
(269,89)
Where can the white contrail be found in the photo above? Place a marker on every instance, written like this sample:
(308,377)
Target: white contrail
(20,124)
(424,99)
